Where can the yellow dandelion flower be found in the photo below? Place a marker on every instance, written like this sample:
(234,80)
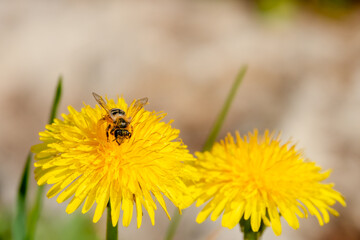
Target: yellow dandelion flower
(82,162)
(260,179)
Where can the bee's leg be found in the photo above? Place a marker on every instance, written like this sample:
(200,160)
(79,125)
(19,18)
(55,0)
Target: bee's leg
(132,130)
(112,130)
(119,140)
(107,132)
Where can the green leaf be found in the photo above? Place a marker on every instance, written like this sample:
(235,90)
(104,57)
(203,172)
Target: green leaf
(210,140)
(19,224)
(225,109)
(35,213)
(56,101)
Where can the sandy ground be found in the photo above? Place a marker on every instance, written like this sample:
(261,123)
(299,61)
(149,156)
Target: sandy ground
(303,79)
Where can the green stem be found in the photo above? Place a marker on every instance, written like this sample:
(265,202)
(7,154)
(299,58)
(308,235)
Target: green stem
(111,231)
(249,234)
(210,140)
(173,225)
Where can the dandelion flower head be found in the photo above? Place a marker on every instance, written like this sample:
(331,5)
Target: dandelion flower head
(81,162)
(260,179)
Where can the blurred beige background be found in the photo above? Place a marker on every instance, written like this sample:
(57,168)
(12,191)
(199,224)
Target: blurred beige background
(303,79)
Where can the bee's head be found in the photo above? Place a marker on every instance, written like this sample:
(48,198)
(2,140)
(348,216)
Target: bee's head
(117,133)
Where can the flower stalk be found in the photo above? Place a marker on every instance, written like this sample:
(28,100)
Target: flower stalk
(249,234)
(111,231)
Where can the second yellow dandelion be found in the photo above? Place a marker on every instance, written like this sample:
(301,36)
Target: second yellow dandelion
(258,178)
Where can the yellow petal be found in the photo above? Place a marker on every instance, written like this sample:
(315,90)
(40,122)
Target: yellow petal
(127,207)
(138,211)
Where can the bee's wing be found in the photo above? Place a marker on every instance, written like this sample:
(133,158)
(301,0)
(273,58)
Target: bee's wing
(140,103)
(101,101)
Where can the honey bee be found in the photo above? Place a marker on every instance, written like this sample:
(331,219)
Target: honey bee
(118,122)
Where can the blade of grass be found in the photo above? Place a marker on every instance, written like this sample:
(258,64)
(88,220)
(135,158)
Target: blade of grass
(35,213)
(225,109)
(56,101)
(210,140)
(19,224)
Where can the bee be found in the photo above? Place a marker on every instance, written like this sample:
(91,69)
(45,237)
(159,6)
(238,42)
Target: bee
(118,122)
